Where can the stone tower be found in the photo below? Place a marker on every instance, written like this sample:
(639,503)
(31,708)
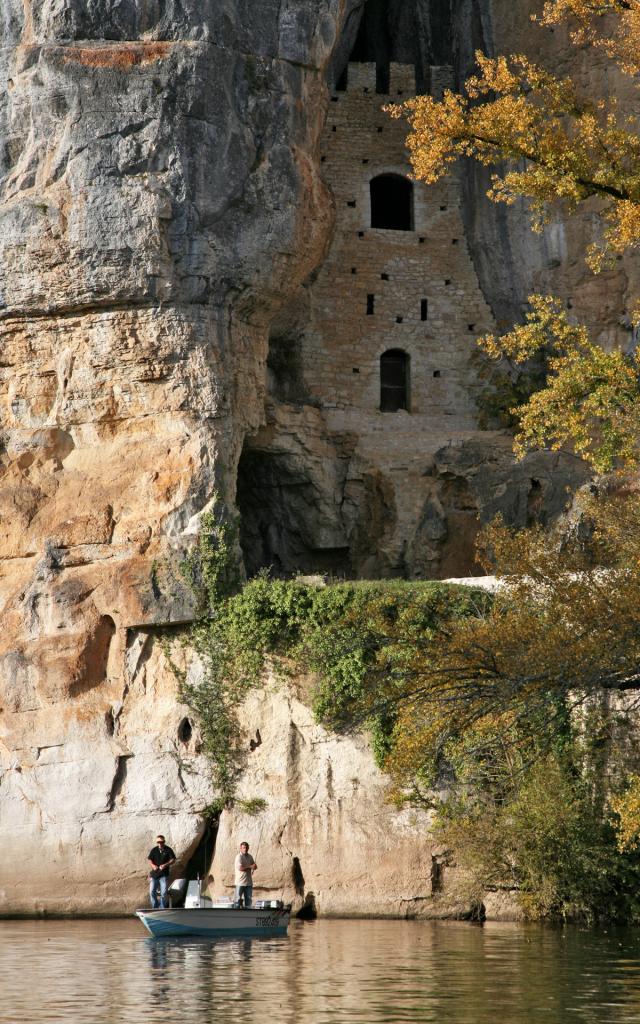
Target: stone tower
(408,286)
(373,462)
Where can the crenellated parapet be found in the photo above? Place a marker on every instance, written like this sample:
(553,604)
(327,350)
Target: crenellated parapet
(361,78)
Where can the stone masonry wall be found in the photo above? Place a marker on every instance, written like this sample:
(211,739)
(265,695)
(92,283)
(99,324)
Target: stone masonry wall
(332,483)
(400,269)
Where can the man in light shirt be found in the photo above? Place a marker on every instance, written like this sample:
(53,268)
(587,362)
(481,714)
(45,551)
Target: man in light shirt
(245,866)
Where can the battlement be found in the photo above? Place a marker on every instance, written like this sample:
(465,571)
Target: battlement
(361,78)
(440,78)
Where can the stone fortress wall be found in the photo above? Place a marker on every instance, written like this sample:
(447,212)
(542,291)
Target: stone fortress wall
(392,273)
(332,483)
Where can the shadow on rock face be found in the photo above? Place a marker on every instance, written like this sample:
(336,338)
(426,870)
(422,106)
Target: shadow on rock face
(308,911)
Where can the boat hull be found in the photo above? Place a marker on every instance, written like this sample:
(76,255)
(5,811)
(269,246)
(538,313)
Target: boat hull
(215,922)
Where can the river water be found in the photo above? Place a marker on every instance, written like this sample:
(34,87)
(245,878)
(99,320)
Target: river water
(109,972)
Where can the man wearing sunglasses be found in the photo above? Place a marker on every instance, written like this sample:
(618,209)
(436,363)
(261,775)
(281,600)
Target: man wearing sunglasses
(161,857)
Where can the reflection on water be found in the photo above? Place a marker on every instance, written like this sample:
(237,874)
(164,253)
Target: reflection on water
(97,972)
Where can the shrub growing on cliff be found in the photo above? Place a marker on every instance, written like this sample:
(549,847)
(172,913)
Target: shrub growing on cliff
(473,696)
(351,635)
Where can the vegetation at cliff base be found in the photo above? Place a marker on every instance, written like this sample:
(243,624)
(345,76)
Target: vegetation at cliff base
(509,715)
(347,635)
(512,717)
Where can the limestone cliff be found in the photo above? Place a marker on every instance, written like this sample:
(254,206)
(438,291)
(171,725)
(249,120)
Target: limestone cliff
(165,217)
(160,199)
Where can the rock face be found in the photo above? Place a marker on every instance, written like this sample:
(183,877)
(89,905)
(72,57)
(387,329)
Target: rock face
(328,837)
(88,782)
(373,461)
(160,199)
(167,224)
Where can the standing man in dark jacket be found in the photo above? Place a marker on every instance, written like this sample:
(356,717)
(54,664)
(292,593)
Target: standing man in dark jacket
(160,858)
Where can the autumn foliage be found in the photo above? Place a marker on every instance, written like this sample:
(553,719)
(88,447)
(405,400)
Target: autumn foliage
(532,705)
(549,144)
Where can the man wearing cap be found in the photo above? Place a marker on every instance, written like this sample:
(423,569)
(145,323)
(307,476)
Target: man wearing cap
(160,858)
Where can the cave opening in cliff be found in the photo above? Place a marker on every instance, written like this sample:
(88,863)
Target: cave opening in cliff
(92,666)
(199,862)
(185,731)
(402,31)
(391,202)
(288,524)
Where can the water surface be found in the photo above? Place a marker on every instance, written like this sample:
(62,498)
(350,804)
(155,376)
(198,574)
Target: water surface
(110,972)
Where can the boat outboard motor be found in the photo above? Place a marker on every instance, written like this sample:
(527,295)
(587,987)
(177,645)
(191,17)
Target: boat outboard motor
(177,892)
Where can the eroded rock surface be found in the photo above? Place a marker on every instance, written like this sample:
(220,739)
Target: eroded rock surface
(164,217)
(160,199)
(328,837)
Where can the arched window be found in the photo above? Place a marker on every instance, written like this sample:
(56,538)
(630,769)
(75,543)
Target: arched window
(394,380)
(391,202)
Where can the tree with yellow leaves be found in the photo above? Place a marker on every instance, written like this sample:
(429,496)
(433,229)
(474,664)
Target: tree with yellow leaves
(559,147)
(564,147)
(562,639)
(591,398)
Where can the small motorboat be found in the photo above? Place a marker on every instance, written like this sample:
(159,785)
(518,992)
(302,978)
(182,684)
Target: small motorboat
(201,916)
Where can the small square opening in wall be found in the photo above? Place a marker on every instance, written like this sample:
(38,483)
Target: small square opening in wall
(355,369)
(366,161)
(399,319)
(366,88)
(384,277)
(351,203)
(454,241)
(334,128)
(436,373)
(360,234)
(447,280)
(421,240)
(334,99)
(354,270)
(471,327)
(322,159)
(370,304)
(443,207)
(424,309)
(379,129)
